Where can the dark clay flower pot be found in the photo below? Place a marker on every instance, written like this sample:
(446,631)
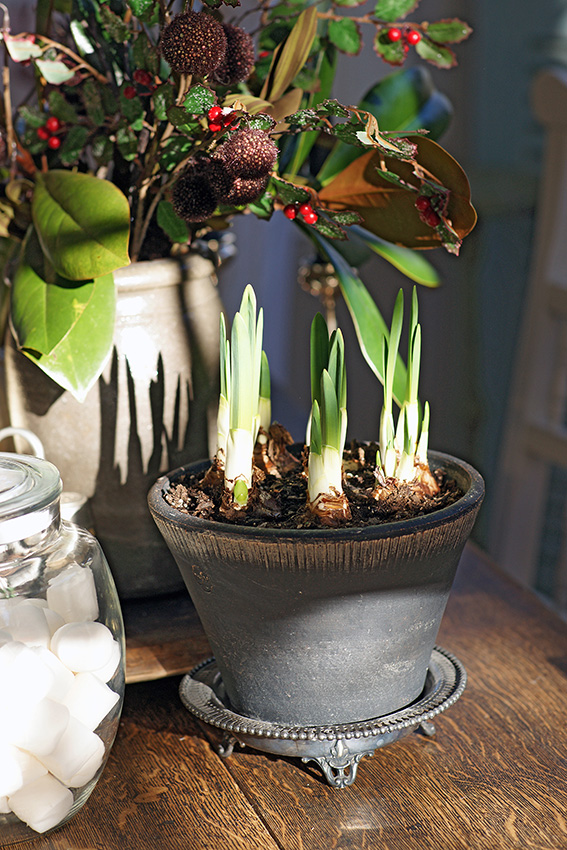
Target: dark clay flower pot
(316,627)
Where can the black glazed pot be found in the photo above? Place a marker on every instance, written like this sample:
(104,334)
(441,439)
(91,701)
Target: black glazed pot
(326,626)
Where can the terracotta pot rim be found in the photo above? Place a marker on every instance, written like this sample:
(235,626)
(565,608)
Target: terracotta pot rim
(472,482)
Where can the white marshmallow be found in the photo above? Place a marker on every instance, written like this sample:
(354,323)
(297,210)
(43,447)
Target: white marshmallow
(26,622)
(23,674)
(72,594)
(77,756)
(36,728)
(83,647)
(89,700)
(17,769)
(107,672)
(6,606)
(37,601)
(54,620)
(42,804)
(63,678)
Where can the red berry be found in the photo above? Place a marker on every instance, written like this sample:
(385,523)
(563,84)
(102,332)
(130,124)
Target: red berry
(431,218)
(290,211)
(305,209)
(43,133)
(263,54)
(142,77)
(54,142)
(214,127)
(214,112)
(53,124)
(129,92)
(310,218)
(423,203)
(394,34)
(412,37)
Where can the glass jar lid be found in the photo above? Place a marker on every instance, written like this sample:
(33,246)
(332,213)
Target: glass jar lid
(28,488)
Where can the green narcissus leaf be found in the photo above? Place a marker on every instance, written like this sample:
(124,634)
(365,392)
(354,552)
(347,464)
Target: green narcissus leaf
(370,327)
(82,223)
(65,327)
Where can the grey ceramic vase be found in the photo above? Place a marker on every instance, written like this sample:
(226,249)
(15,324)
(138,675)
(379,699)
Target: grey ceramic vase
(317,627)
(153,408)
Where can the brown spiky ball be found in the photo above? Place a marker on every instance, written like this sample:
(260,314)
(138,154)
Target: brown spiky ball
(193,43)
(193,197)
(248,153)
(244,191)
(239,57)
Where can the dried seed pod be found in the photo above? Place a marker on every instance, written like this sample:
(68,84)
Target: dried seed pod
(239,57)
(193,197)
(248,153)
(193,43)
(244,191)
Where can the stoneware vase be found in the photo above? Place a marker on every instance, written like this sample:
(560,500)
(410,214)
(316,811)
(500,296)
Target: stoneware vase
(153,408)
(330,626)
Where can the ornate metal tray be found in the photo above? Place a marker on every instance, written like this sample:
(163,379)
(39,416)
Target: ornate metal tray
(336,749)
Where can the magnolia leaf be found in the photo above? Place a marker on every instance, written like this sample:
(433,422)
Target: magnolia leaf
(82,223)
(388,209)
(22,49)
(437,54)
(391,10)
(401,102)
(290,57)
(448,31)
(55,72)
(285,105)
(65,327)
(371,329)
(345,35)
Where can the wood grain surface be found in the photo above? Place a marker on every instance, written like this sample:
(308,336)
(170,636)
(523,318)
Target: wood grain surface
(494,777)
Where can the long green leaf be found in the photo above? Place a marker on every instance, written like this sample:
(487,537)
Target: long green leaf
(319,354)
(291,56)
(369,325)
(413,264)
(330,419)
(82,224)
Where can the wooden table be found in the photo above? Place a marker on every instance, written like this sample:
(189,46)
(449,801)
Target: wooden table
(494,776)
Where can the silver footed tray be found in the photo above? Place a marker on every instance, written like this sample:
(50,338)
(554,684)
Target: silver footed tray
(337,749)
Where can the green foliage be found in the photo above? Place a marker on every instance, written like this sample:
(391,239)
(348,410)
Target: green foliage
(125,116)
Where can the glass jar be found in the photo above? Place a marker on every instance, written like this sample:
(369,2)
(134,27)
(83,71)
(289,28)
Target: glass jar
(61,654)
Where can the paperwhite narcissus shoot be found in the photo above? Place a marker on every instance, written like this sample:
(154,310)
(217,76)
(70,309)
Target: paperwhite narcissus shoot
(402,453)
(239,403)
(328,422)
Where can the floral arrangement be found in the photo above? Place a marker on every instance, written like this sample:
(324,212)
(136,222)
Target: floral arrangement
(146,130)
